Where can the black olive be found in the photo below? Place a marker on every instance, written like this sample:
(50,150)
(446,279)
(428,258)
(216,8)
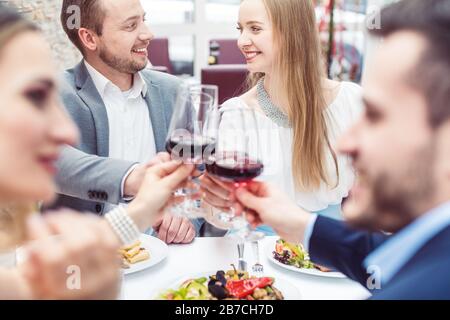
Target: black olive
(218,291)
(213,282)
(220,276)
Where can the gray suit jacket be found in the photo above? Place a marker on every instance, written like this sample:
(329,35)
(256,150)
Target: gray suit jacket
(87,178)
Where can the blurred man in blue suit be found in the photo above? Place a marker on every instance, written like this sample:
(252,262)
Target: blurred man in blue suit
(401,150)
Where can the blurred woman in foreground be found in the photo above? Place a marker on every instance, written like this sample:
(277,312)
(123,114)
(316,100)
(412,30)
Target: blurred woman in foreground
(33,127)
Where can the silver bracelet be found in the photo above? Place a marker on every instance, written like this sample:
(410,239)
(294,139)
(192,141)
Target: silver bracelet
(124,227)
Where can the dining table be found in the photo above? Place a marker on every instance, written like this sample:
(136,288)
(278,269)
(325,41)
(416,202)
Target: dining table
(209,254)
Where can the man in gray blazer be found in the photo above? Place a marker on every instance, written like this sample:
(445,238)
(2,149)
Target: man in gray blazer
(122,110)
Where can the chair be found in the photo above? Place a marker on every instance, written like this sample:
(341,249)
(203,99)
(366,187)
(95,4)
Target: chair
(229,78)
(229,52)
(158,54)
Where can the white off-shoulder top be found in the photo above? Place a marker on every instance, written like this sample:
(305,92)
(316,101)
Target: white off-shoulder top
(273,146)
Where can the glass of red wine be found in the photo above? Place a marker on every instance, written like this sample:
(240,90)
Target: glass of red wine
(236,162)
(192,138)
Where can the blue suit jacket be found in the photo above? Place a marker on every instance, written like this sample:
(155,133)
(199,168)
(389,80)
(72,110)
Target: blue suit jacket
(425,276)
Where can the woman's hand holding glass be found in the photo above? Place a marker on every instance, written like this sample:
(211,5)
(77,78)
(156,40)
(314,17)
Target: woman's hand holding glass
(234,164)
(218,194)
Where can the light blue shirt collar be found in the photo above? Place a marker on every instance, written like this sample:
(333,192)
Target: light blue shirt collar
(392,255)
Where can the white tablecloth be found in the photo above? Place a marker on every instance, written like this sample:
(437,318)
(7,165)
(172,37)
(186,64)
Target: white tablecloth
(210,254)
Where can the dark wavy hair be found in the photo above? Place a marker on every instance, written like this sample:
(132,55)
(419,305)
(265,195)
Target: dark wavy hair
(431,19)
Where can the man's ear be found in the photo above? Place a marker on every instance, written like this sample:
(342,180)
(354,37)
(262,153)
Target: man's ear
(88,38)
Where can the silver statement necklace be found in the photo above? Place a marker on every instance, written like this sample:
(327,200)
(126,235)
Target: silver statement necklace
(272,111)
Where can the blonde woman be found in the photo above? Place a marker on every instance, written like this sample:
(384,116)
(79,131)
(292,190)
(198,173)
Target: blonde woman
(33,128)
(300,113)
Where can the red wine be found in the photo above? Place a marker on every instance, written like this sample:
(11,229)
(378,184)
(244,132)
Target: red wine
(190,147)
(236,167)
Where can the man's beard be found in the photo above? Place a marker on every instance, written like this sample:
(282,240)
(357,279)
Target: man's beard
(119,64)
(398,200)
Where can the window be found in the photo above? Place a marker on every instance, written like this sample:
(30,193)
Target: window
(160,12)
(222,11)
(190,24)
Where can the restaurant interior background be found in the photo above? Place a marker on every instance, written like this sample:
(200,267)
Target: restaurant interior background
(196,39)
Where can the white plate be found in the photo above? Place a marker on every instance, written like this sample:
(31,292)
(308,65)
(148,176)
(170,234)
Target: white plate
(289,291)
(158,252)
(270,248)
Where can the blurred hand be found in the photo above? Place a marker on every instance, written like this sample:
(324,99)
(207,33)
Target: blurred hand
(134,180)
(172,229)
(156,192)
(267,205)
(81,262)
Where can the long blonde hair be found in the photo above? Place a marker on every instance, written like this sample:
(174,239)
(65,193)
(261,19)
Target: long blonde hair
(298,75)
(13,216)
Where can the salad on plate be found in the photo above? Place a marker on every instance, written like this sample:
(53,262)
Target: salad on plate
(295,255)
(230,285)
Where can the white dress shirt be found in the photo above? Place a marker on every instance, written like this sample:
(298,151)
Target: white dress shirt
(130,129)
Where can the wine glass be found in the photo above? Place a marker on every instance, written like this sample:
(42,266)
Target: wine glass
(236,162)
(191,138)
